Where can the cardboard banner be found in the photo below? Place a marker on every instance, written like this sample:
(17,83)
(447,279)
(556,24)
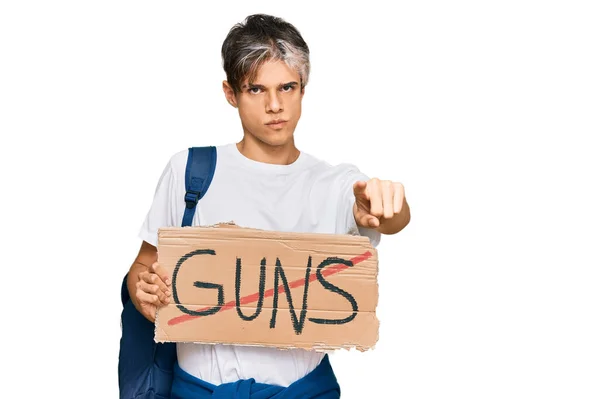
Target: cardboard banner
(242,286)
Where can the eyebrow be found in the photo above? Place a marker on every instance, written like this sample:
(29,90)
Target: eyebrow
(259,86)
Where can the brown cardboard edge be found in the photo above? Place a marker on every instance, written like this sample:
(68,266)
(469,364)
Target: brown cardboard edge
(316,348)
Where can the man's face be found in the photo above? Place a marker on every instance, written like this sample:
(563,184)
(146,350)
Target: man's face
(270,107)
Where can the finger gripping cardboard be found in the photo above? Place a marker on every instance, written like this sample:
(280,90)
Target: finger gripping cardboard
(234,285)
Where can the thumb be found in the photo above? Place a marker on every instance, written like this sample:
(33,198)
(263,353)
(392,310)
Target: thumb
(367,220)
(373,221)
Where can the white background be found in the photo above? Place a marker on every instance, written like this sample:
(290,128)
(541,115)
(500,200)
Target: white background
(488,112)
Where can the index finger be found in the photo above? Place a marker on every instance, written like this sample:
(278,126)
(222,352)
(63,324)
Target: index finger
(360,188)
(162,273)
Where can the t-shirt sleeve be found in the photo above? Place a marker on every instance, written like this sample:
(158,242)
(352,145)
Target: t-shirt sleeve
(162,212)
(346,216)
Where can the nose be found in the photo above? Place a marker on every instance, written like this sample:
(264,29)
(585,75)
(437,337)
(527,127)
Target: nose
(274,103)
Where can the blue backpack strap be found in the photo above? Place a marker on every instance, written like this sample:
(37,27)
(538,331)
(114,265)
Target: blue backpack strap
(146,367)
(199,172)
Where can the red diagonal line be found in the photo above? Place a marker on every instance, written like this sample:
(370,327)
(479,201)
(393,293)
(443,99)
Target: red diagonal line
(331,269)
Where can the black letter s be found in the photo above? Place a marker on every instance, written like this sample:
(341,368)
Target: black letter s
(337,290)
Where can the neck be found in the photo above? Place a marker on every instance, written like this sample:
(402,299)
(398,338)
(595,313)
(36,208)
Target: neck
(259,151)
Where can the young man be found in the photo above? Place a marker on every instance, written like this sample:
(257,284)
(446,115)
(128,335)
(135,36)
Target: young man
(263,182)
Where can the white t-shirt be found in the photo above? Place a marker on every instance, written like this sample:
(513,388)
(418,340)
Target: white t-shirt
(308,195)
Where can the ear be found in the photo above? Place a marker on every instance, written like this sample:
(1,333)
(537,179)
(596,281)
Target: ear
(229,94)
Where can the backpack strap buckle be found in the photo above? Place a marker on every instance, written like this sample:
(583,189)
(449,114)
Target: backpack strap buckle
(191,198)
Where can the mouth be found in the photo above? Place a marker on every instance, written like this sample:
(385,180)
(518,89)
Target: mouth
(277,123)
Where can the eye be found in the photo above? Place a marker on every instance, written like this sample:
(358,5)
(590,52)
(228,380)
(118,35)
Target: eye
(254,90)
(287,87)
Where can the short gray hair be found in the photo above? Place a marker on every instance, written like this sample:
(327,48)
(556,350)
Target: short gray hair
(261,38)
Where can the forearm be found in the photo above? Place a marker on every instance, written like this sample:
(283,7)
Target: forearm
(396,223)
